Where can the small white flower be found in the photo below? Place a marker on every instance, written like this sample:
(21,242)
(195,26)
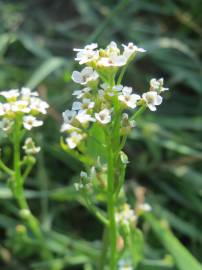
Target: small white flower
(27,93)
(5,108)
(30,121)
(126,216)
(83,117)
(152,99)
(128,98)
(6,124)
(104,116)
(76,106)
(68,115)
(84,105)
(130,49)
(38,105)
(20,106)
(108,90)
(11,94)
(83,174)
(74,140)
(30,148)
(87,104)
(85,76)
(87,54)
(157,85)
(112,48)
(81,93)
(112,61)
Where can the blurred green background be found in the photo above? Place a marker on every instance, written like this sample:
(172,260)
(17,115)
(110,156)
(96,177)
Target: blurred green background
(165,150)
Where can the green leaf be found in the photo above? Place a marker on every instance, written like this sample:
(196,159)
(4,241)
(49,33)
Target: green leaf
(183,258)
(136,245)
(96,143)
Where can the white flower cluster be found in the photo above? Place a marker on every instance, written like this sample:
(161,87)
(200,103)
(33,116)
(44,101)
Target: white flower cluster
(84,182)
(96,102)
(111,56)
(126,216)
(22,104)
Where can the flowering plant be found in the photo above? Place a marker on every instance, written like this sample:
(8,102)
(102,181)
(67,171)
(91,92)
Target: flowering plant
(97,127)
(20,112)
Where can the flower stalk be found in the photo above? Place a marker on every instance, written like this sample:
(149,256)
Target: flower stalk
(100,115)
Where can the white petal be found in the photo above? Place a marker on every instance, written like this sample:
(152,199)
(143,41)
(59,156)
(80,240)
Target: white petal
(159,100)
(76,106)
(151,107)
(77,77)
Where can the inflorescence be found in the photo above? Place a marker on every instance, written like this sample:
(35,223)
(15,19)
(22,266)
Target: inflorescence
(102,94)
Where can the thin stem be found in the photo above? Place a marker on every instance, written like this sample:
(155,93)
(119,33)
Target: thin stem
(5,168)
(138,112)
(27,171)
(94,210)
(111,207)
(18,183)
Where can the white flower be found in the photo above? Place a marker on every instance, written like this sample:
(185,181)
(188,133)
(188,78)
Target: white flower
(27,93)
(68,115)
(74,139)
(6,124)
(38,105)
(85,76)
(76,106)
(112,61)
(30,148)
(128,98)
(83,174)
(130,49)
(20,106)
(112,48)
(108,90)
(84,105)
(104,116)
(152,99)
(157,85)
(83,117)
(80,93)
(87,54)
(11,94)
(126,216)
(30,121)
(5,108)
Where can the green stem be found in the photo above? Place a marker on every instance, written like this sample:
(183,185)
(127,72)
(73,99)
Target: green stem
(111,207)
(94,210)
(18,184)
(138,112)
(5,168)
